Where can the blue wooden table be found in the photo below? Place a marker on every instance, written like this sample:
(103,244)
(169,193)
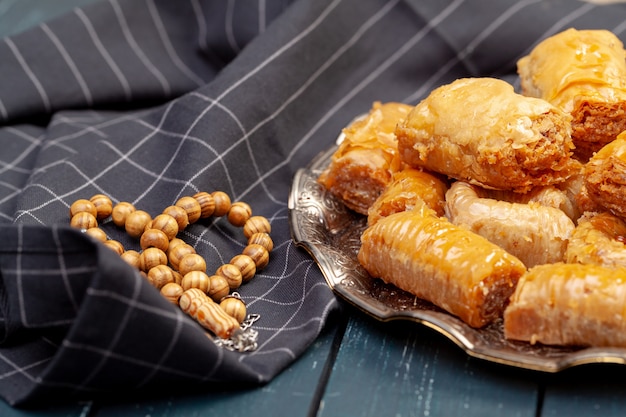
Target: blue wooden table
(362,367)
(359,366)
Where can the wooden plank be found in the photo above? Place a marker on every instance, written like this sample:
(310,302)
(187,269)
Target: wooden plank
(406,369)
(291,393)
(589,390)
(19,15)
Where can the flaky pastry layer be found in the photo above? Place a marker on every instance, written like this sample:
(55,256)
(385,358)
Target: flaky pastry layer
(479,130)
(569,304)
(605,177)
(455,269)
(367,158)
(584,73)
(410,188)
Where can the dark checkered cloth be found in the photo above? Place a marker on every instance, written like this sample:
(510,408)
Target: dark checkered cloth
(148,101)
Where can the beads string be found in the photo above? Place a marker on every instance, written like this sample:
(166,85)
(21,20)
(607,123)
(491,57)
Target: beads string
(176,269)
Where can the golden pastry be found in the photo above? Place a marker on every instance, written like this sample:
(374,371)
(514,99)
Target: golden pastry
(569,304)
(410,188)
(480,131)
(584,73)
(564,196)
(598,239)
(534,233)
(455,269)
(365,161)
(605,177)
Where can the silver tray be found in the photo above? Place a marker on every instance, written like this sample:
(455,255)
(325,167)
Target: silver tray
(330,232)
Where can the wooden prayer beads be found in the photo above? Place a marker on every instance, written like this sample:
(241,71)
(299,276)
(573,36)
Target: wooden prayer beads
(234,307)
(218,288)
(173,266)
(103,204)
(120,211)
(84,220)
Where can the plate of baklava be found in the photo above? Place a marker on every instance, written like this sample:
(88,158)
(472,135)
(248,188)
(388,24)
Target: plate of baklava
(495,217)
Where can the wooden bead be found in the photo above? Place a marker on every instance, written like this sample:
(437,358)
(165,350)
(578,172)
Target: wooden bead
(190,300)
(104,206)
(256,224)
(257,252)
(120,211)
(172,292)
(82,206)
(191,206)
(83,220)
(178,278)
(234,307)
(150,258)
(131,257)
(154,238)
(180,214)
(222,203)
(177,253)
(239,213)
(97,234)
(161,275)
(262,239)
(173,243)
(232,275)
(196,279)
(191,262)
(207,204)
(167,224)
(136,223)
(115,246)
(212,317)
(246,266)
(218,287)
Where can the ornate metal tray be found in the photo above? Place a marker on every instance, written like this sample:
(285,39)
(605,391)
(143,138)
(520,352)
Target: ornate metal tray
(330,232)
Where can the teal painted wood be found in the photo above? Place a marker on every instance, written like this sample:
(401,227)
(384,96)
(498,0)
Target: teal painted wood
(405,369)
(19,15)
(590,390)
(292,393)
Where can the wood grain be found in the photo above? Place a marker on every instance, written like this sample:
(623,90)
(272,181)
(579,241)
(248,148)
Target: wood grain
(404,369)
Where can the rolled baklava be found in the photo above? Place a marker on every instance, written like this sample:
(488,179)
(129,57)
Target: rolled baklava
(480,131)
(536,234)
(605,177)
(453,268)
(598,239)
(367,157)
(569,304)
(582,72)
(409,189)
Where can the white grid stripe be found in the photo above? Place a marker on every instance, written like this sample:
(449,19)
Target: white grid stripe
(70,63)
(3,111)
(460,57)
(64,270)
(230,35)
(171,52)
(104,53)
(31,76)
(128,35)
(110,349)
